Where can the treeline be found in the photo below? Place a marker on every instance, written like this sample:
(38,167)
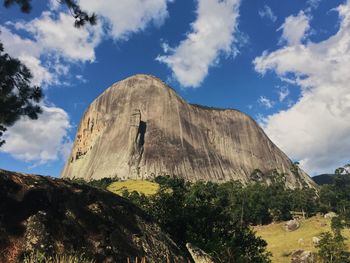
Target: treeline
(217,217)
(336,196)
(211,216)
(98,183)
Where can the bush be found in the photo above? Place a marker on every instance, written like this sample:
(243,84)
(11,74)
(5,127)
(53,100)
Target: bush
(99,183)
(332,248)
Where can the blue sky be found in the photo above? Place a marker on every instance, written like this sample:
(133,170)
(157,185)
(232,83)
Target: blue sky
(287,65)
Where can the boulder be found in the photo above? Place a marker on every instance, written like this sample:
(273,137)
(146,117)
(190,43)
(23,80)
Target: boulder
(315,240)
(303,256)
(56,217)
(330,215)
(140,128)
(292,225)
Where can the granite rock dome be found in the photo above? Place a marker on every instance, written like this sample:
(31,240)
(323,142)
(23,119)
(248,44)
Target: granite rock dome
(140,128)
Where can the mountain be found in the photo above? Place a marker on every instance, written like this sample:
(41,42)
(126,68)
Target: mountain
(140,128)
(55,216)
(323,179)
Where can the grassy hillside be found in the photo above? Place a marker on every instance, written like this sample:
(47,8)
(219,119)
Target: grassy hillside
(281,242)
(145,187)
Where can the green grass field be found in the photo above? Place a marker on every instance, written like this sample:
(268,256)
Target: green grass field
(144,187)
(281,242)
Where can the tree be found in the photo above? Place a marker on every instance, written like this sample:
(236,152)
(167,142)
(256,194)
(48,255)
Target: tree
(81,17)
(204,214)
(17,96)
(332,248)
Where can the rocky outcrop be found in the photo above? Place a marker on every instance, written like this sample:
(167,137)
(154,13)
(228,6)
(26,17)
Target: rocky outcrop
(140,128)
(330,215)
(55,216)
(302,256)
(292,225)
(198,255)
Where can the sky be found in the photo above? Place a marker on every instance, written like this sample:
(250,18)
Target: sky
(285,64)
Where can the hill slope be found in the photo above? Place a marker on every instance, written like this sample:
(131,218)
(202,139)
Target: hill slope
(55,216)
(140,128)
(323,179)
(282,243)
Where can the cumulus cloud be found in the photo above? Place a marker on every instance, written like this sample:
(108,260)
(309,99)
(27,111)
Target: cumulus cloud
(52,42)
(59,35)
(267,103)
(267,12)
(294,28)
(28,52)
(125,17)
(42,140)
(212,34)
(316,128)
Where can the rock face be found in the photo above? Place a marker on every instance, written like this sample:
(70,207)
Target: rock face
(198,255)
(55,216)
(140,128)
(301,256)
(330,215)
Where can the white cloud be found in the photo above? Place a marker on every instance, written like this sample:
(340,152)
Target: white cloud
(316,128)
(42,140)
(283,93)
(268,13)
(212,34)
(125,17)
(294,28)
(313,4)
(61,36)
(267,103)
(54,4)
(28,51)
(52,43)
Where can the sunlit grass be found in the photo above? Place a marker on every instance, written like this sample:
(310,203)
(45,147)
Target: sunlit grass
(281,242)
(37,257)
(141,186)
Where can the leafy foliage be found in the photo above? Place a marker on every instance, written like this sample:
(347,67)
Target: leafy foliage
(17,96)
(97,183)
(336,196)
(332,248)
(217,217)
(205,215)
(81,17)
